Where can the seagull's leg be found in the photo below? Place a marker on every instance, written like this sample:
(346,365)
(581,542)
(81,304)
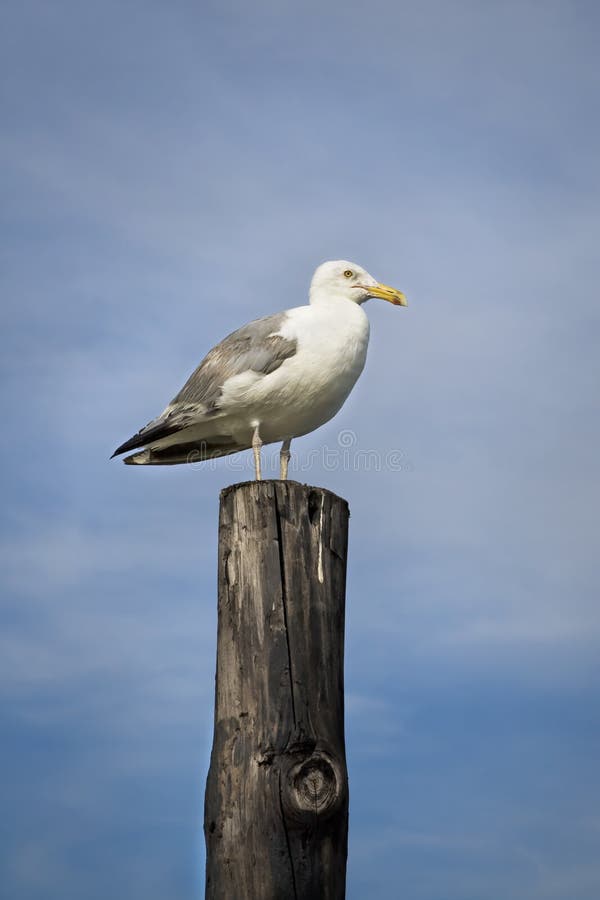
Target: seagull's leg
(284,458)
(256,445)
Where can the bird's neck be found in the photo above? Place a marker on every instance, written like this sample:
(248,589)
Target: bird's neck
(322,298)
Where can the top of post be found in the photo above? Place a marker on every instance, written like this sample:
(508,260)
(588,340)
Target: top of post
(273,487)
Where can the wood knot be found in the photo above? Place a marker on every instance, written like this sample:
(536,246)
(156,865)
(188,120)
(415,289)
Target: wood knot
(314,787)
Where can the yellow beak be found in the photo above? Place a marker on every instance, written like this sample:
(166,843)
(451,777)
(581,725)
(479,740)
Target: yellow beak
(388,293)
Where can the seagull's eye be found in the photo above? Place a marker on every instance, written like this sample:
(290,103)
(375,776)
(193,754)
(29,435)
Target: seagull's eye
(348,273)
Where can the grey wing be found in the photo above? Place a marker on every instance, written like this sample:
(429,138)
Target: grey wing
(255,347)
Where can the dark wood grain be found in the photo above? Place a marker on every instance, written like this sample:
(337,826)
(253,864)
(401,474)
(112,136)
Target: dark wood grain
(276,809)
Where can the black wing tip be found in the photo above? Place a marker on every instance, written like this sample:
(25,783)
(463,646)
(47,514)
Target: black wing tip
(132,444)
(154,431)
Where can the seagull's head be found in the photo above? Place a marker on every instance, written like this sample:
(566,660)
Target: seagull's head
(339,278)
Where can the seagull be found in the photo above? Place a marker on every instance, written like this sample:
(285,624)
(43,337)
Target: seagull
(275,379)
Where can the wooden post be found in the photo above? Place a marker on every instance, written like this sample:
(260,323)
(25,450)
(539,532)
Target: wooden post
(276,808)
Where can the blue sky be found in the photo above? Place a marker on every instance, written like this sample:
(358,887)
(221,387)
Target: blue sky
(170,171)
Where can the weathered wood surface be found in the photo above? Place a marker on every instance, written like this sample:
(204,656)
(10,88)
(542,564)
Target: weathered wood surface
(276,809)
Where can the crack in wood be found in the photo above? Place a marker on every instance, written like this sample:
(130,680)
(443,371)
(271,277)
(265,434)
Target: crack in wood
(284,602)
(287,839)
